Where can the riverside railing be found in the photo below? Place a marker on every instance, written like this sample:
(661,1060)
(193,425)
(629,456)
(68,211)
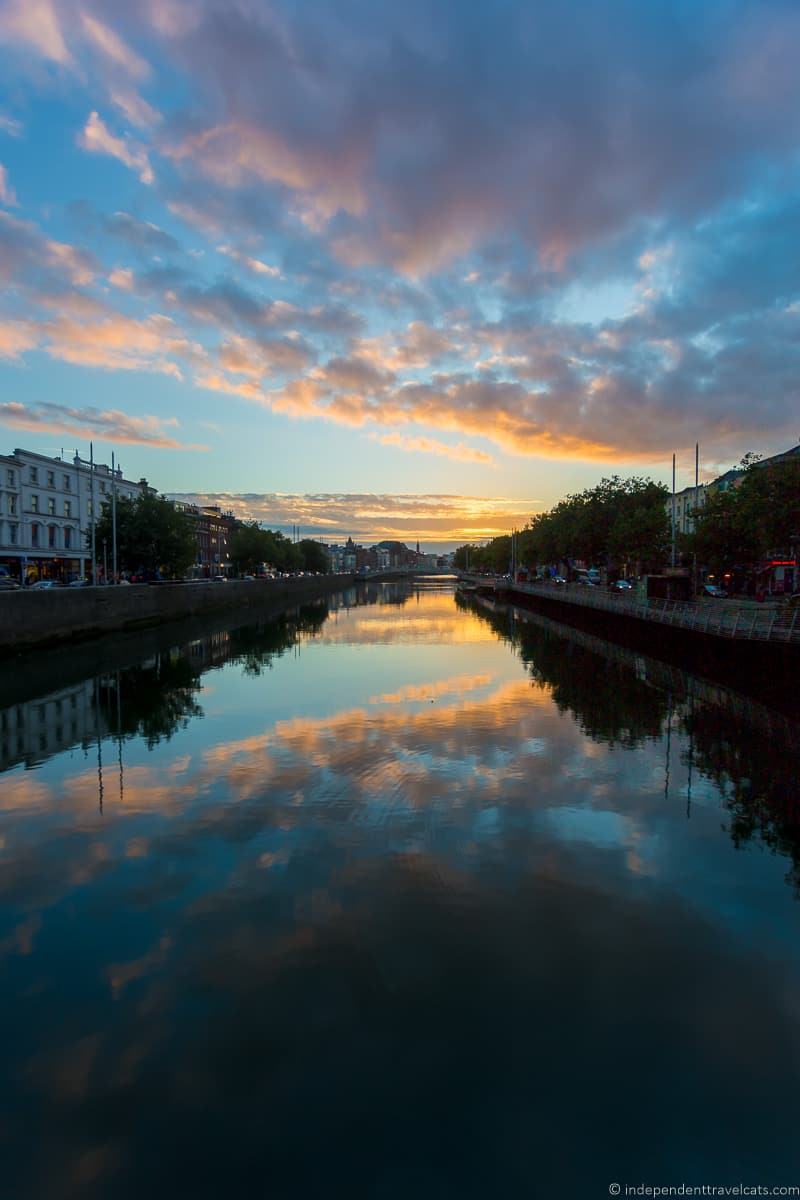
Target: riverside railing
(721,618)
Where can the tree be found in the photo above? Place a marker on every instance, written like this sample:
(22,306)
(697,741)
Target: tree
(315,557)
(617,520)
(250,546)
(152,536)
(757,518)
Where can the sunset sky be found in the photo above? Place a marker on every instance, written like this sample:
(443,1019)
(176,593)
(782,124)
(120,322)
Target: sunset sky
(406,269)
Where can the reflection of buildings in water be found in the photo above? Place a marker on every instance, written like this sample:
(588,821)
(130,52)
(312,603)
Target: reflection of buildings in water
(37,729)
(210,651)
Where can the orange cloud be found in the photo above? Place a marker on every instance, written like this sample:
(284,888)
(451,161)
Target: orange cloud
(423,445)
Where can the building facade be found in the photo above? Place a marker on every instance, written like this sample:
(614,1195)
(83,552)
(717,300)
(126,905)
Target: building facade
(47,506)
(213,531)
(683,505)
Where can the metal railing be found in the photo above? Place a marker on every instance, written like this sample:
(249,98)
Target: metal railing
(720,618)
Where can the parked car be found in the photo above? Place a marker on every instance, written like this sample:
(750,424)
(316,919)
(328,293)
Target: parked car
(622,585)
(585,581)
(712,590)
(80,583)
(45,585)
(7,584)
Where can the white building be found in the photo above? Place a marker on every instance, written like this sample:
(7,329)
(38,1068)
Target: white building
(46,510)
(35,730)
(685,504)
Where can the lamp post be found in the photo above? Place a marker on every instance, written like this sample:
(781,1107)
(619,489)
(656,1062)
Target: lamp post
(91,505)
(105,563)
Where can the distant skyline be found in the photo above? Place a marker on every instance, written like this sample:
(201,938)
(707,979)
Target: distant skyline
(433,266)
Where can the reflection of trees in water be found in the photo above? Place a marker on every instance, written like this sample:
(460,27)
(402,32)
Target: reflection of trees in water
(609,701)
(157,698)
(151,701)
(753,763)
(756,774)
(256,646)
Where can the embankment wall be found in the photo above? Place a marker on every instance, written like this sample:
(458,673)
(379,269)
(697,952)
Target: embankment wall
(31,618)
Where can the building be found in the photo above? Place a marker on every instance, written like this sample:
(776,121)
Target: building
(47,506)
(685,504)
(34,731)
(213,531)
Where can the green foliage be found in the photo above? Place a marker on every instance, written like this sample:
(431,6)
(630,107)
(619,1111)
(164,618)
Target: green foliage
(315,557)
(151,535)
(757,518)
(252,545)
(618,520)
(249,546)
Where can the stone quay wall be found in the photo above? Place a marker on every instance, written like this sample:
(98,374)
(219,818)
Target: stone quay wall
(30,618)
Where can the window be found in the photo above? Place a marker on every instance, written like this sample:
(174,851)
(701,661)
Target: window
(11,479)
(67,508)
(12,506)
(34,503)
(90,508)
(12,535)
(51,506)
(34,535)
(34,475)
(67,539)
(67,483)
(51,479)
(51,536)
(102,488)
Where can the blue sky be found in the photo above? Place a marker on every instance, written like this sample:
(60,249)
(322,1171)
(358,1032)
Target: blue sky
(473,255)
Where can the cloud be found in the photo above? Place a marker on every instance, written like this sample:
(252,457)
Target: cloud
(119,343)
(253,264)
(31,259)
(424,445)
(97,138)
(387,144)
(446,232)
(134,108)
(370,517)
(7,194)
(114,48)
(15,338)
(10,126)
(109,425)
(121,277)
(143,235)
(34,24)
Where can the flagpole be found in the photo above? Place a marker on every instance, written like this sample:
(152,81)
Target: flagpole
(91,480)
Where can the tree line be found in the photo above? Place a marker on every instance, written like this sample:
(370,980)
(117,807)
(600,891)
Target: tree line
(751,521)
(625,525)
(619,524)
(153,537)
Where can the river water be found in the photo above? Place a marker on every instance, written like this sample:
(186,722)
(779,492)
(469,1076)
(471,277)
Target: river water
(395,896)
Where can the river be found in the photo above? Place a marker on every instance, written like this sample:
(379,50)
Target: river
(398,895)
